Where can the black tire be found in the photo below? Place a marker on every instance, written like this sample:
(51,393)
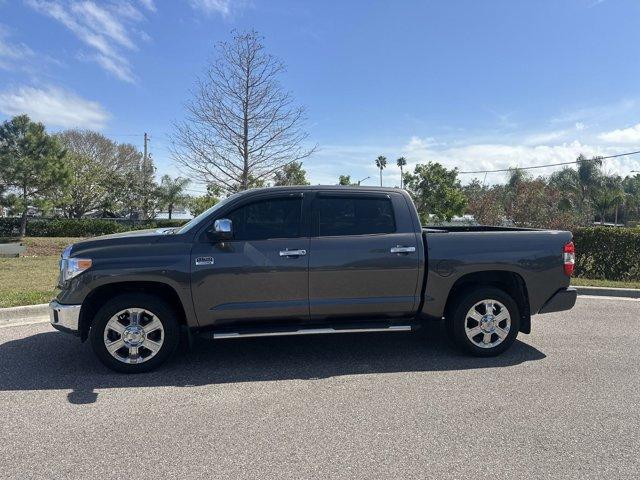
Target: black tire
(457,321)
(159,308)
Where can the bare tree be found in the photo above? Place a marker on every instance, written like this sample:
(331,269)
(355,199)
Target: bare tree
(241,125)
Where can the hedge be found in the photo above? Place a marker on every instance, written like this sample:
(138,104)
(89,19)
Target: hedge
(82,227)
(607,253)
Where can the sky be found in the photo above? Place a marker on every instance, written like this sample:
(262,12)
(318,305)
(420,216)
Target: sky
(471,84)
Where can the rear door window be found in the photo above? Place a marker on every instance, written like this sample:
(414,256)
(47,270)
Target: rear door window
(351,215)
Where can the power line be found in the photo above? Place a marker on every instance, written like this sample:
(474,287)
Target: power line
(554,164)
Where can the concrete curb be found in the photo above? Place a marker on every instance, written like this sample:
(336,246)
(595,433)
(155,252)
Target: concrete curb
(30,313)
(609,292)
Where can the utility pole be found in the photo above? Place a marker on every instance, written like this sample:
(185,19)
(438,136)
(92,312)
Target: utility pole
(146,140)
(143,171)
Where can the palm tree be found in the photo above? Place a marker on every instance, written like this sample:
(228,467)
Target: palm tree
(401,162)
(607,196)
(589,175)
(381,163)
(171,192)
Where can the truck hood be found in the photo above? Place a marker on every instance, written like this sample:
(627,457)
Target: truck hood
(149,232)
(136,236)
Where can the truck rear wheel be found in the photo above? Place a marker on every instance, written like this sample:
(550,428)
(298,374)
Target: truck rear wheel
(484,322)
(134,333)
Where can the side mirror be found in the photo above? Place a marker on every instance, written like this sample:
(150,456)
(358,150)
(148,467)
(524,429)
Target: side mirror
(222,230)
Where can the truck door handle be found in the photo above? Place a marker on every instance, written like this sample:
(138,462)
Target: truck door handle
(292,253)
(402,249)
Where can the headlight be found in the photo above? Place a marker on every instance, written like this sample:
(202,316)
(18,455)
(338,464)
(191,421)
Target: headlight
(72,267)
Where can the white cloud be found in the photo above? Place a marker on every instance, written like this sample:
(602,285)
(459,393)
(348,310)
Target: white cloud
(148,4)
(545,137)
(221,7)
(53,106)
(493,156)
(624,135)
(358,160)
(107,29)
(12,55)
(599,113)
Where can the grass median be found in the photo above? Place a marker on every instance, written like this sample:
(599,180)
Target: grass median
(31,279)
(589,282)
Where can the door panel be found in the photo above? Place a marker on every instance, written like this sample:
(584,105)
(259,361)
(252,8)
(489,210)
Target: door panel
(356,270)
(249,281)
(359,276)
(254,278)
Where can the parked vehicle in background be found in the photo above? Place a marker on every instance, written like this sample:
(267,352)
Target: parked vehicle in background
(308,260)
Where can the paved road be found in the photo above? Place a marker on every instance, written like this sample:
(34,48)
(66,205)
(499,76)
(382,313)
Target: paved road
(564,402)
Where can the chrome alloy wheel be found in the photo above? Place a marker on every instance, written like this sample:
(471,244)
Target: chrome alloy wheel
(133,335)
(487,323)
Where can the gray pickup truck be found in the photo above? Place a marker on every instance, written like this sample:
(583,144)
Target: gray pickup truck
(308,260)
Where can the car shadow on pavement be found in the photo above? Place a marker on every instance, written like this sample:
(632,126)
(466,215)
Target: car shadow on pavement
(54,360)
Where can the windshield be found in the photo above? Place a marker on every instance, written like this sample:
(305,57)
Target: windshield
(194,222)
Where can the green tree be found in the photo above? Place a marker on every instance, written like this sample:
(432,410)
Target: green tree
(345,180)
(436,192)
(93,162)
(401,162)
(291,174)
(381,163)
(32,163)
(589,175)
(171,193)
(607,196)
(631,185)
(132,190)
(251,182)
(485,203)
(197,205)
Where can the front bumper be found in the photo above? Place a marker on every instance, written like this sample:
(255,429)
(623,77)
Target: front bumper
(64,317)
(563,299)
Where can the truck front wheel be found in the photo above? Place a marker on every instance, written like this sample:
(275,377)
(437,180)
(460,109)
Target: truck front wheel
(483,321)
(134,333)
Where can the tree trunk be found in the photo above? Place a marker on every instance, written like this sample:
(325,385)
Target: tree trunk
(401,178)
(25,209)
(616,217)
(170,210)
(23,223)
(380,177)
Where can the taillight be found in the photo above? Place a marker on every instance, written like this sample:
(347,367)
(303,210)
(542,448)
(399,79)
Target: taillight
(569,257)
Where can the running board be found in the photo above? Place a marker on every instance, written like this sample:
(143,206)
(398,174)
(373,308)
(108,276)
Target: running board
(311,331)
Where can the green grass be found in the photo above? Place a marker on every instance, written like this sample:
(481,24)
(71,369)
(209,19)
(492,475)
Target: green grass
(27,280)
(587,282)
(32,279)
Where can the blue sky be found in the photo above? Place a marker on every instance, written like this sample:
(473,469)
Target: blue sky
(471,84)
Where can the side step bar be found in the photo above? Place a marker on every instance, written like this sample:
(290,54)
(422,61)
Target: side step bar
(311,331)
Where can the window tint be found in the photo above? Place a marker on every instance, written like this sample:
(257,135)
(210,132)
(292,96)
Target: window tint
(353,216)
(275,218)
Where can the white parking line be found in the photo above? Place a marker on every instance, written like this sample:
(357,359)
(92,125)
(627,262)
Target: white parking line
(26,322)
(602,297)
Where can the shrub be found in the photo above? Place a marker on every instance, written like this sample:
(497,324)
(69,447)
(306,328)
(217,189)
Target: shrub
(63,227)
(607,253)
(79,227)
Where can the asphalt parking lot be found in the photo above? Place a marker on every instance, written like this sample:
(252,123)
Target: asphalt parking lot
(564,402)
